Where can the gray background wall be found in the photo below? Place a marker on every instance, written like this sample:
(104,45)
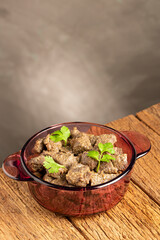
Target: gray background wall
(85,60)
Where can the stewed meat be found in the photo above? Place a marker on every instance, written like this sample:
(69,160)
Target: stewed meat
(47,178)
(120,161)
(117,151)
(84,159)
(108,167)
(74,166)
(105,138)
(67,159)
(79,175)
(75,132)
(81,143)
(60,174)
(36,163)
(57,181)
(92,139)
(39,146)
(52,146)
(97,178)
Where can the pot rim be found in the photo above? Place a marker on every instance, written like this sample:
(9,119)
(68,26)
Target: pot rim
(116,179)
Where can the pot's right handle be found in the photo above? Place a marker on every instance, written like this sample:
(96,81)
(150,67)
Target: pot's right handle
(139,141)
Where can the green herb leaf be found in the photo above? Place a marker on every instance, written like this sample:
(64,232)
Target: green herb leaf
(56,138)
(106,147)
(58,132)
(65,132)
(93,154)
(51,165)
(110,150)
(101,147)
(62,134)
(107,158)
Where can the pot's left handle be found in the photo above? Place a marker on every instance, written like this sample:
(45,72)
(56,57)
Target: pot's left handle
(12,168)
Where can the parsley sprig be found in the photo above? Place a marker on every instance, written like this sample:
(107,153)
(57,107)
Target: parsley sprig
(62,134)
(106,147)
(51,165)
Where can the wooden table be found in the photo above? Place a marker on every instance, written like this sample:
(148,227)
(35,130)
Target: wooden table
(135,217)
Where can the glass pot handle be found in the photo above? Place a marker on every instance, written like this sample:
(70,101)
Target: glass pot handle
(12,168)
(139,141)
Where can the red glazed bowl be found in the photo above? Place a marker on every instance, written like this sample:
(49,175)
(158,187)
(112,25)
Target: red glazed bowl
(78,201)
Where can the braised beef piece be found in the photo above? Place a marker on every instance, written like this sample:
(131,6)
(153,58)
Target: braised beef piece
(48,178)
(66,159)
(117,151)
(60,174)
(61,182)
(120,161)
(79,175)
(52,146)
(57,181)
(39,146)
(38,174)
(105,138)
(97,178)
(49,153)
(92,139)
(84,159)
(75,132)
(107,167)
(36,164)
(66,149)
(81,143)
(113,166)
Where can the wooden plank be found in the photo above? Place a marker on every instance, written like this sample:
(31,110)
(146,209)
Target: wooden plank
(23,218)
(151,117)
(135,217)
(146,169)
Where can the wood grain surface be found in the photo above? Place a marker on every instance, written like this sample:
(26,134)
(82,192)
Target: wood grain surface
(151,117)
(23,218)
(135,217)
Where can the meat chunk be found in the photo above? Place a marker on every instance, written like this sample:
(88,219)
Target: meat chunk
(79,175)
(61,182)
(75,132)
(52,146)
(84,159)
(38,174)
(57,181)
(105,138)
(81,144)
(36,164)
(118,150)
(48,178)
(107,167)
(92,139)
(60,174)
(97,178)
(39,145)
(66,159)
(120,161)
(66,149)
(49,153)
